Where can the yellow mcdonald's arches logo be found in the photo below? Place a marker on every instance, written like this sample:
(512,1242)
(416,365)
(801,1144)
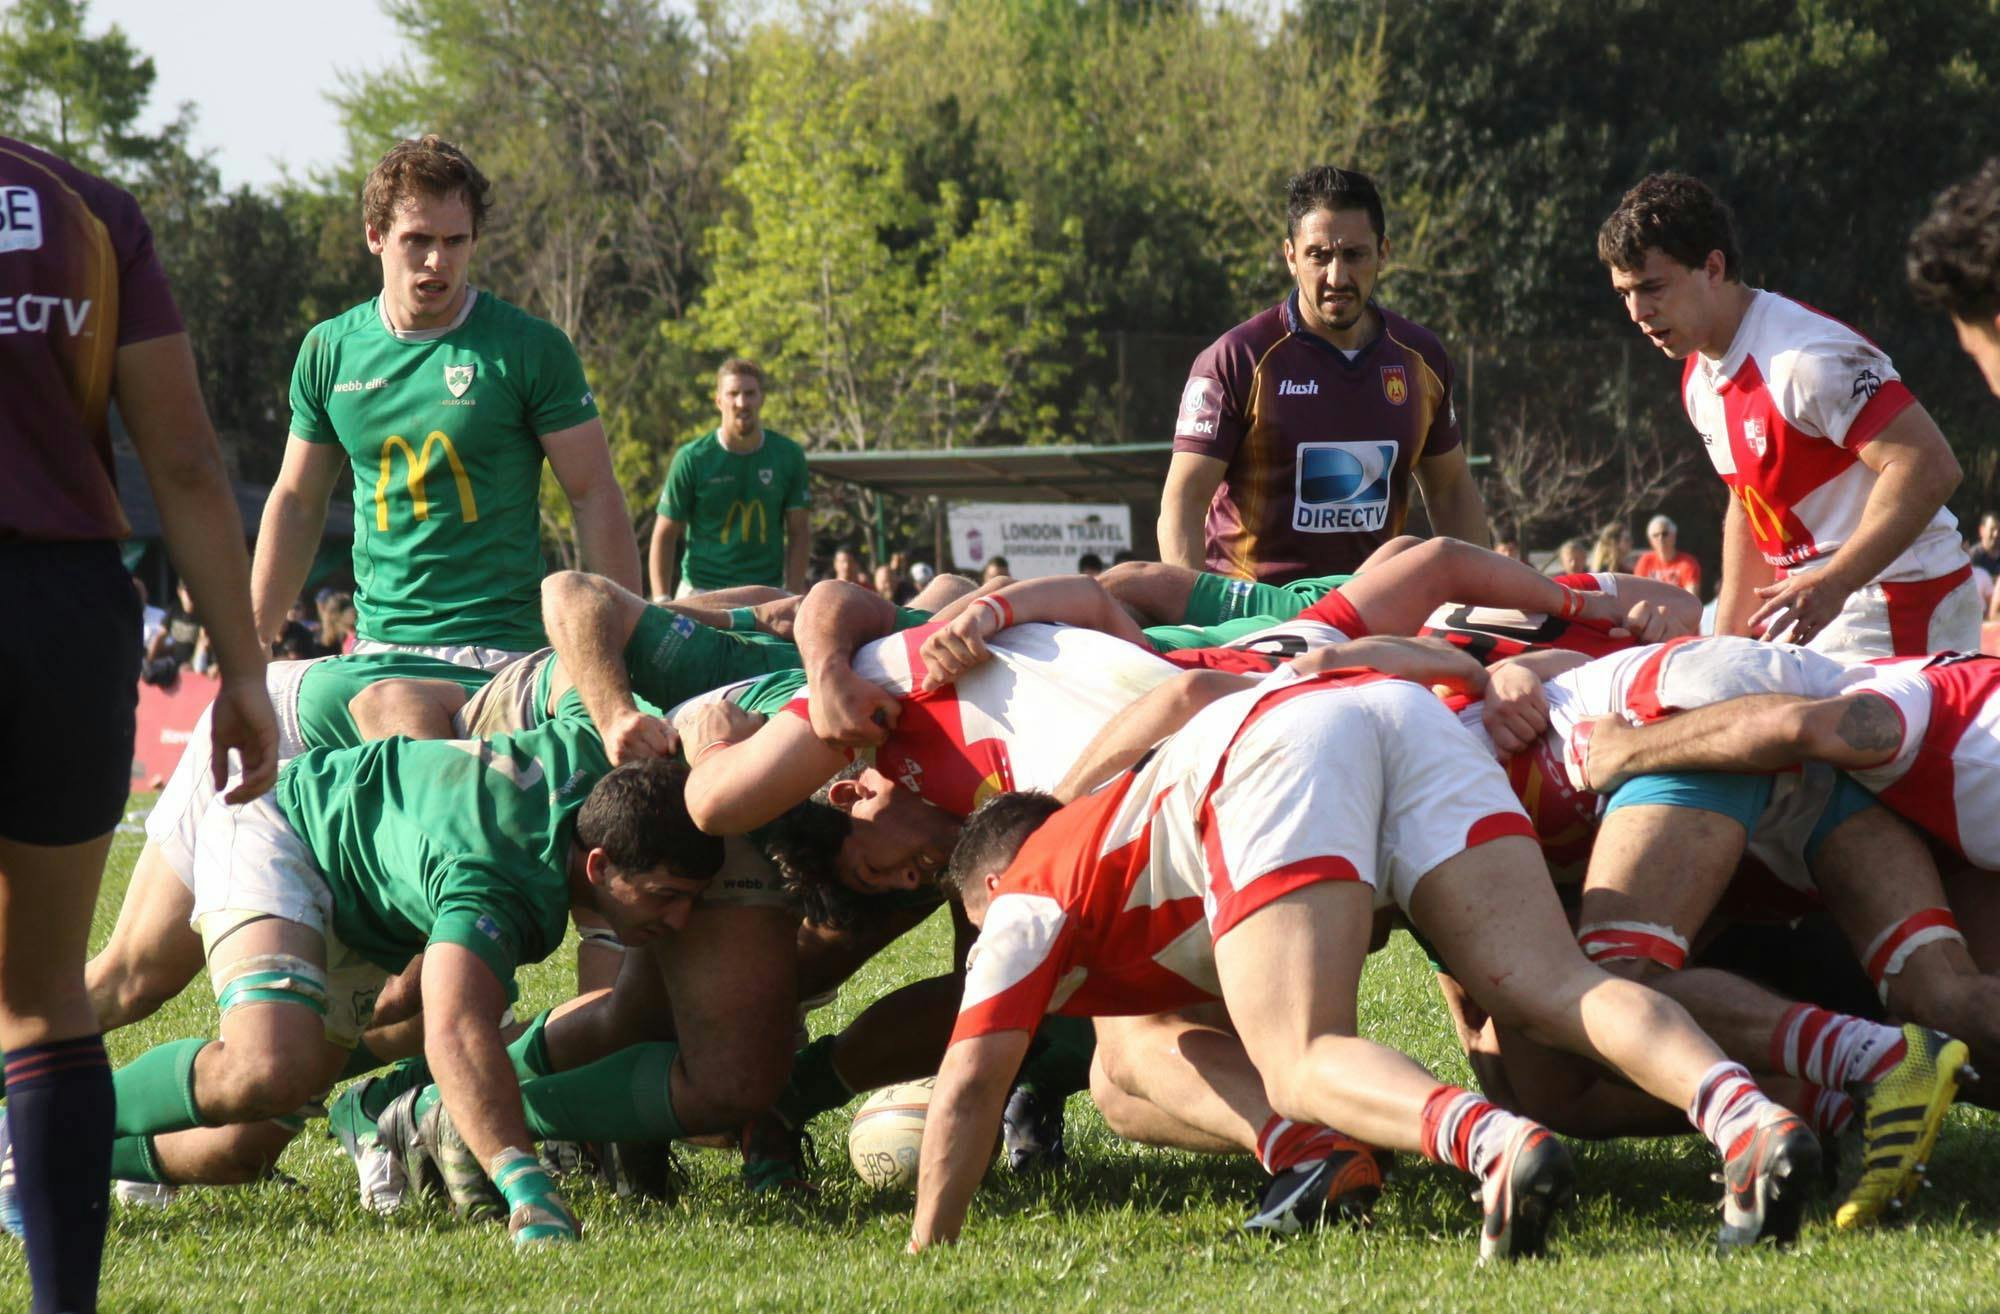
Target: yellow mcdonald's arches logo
(749,511)
(416,465)
(1765,522)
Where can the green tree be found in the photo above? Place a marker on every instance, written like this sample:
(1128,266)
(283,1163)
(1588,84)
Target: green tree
(70,93)
(887,319)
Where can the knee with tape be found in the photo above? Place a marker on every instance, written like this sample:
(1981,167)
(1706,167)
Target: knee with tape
(1608,942)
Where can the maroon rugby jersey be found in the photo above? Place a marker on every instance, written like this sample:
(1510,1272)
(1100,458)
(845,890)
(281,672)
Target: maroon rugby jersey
(1319,447)
(78,280)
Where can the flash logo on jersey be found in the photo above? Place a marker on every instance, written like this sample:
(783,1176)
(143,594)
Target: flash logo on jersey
(1343,487)
(1198,409)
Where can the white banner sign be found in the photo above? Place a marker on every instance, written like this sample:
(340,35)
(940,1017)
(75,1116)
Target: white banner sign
(1037,538)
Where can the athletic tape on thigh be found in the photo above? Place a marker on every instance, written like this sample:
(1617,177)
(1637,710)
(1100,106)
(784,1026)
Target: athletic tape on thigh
(272,979)
(601,936)
(1604,942)
(1891,950)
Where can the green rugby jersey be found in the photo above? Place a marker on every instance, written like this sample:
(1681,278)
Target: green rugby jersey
(443,436)
(734,508)
(328,686)
(1174,638)
(459,841)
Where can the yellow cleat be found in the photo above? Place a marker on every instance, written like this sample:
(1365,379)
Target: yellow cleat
(1900,1118)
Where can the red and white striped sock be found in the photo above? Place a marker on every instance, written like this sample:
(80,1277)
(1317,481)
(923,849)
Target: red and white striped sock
(1286,1144)
(1833,1049)
(1827,1111)
(1464,1130)
(1726,1105)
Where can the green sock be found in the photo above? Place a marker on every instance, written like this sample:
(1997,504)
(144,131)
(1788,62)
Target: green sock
(816,1086)
(530,1049)
(401,1076)
(156,1090)
(1058,1064)
(626,1097)
(360,1062)
(132,1160)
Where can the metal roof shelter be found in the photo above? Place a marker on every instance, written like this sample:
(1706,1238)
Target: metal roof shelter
(1125,472)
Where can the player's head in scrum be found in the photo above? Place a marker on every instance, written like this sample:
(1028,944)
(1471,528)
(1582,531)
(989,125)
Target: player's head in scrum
(1954,265)
(1672,252)
(422,208)
(861,835)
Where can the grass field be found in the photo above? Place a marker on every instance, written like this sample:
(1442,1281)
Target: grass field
(1128,1228)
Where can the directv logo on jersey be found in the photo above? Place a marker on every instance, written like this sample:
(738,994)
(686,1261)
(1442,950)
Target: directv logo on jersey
(20,219)
(1293,388)
(1343,487)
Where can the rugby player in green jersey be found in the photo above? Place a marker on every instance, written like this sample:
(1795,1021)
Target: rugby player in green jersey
(441,402)
(472,853)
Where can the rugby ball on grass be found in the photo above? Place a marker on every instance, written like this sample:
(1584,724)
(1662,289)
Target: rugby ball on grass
(888,1135)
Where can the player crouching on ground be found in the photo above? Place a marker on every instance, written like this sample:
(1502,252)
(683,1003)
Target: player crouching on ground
(471,853)
(1234,863)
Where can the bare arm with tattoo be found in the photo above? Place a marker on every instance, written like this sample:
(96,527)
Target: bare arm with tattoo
(1765,732)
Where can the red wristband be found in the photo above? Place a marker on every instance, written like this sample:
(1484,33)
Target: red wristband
(1002,612)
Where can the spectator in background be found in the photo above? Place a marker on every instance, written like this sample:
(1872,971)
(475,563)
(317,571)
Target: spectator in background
(995,568)
(892,585)
(1613,552)
(336,621)
(1123,555)
(181,641)
(739,496)
(151,619)
(1986,553)
(1664,560)
(1090,564)
(921,574)
(1508,546)
(848,566)
(1573,557)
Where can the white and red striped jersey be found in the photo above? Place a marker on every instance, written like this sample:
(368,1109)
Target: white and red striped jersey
(1115,904)
(1945,776)
(1645,684)
(1018,721)
(1784,414)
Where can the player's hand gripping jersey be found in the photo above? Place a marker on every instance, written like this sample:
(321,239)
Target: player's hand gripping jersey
(1018,721)
(1945,776)
(1782,416)
(1114,905)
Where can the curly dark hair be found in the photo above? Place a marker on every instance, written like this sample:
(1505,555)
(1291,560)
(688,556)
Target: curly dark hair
(429,166)
(1954,262)
(803,843)
(1679,216)
(1326,187)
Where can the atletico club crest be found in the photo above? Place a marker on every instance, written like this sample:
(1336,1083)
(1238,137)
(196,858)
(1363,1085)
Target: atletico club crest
(1754,436)
(1395,386)
(458,378)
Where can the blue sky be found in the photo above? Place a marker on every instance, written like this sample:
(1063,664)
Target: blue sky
(257,70)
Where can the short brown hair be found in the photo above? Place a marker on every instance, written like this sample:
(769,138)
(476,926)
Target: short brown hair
(429,166)
(742,366)
(1674,214)
(1955,253)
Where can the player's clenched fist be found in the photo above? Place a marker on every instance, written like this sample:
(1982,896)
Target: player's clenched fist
(633,736)
(961,645)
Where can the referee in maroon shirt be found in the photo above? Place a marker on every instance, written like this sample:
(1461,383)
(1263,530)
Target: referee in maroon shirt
(86,317)
(1301,429)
